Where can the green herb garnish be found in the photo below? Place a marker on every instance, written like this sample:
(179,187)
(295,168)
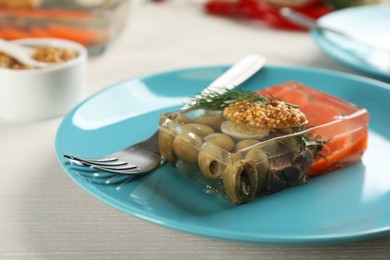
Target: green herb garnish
(315,144)
(216,100)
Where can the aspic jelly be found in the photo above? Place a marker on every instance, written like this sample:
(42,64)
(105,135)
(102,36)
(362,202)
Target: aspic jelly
(251,145)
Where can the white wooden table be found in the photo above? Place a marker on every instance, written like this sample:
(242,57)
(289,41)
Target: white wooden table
(45,215)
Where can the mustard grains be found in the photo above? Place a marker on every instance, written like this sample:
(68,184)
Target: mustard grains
(270,114)
(52,55)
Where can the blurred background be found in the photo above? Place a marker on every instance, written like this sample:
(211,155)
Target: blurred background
(97,23)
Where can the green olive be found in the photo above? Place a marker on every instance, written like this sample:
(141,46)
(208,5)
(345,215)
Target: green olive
(210,162)
(237,154)
(260,159)
(198,129)
(241,131)
(245,143)
(182,119)
(178,118)
(211,121)
(221,140)
(214,113)
(186,147)
(240,181)
(236,157)
(165,142)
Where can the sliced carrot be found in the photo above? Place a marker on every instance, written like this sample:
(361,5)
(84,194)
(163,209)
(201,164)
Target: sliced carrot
(340,158)
(45,13)
(318,113)
(342,105)
(285,93)
(37,31)
(12,33)
(342,148)
(76,34)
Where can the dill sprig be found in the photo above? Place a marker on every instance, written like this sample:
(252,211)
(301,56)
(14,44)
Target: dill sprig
(219,100)
(315,144)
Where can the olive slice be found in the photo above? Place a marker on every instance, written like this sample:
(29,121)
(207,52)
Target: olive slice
(210,160)
(240,181)
(241,131)
(260,159)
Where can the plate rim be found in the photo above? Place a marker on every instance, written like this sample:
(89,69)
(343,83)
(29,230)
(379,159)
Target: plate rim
(332,51)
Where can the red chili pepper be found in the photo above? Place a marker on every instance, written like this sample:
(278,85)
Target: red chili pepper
(227,8)
(255,9)
(239,8)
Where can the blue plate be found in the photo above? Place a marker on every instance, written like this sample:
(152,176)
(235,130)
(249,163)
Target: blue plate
(372,21)
(348,204)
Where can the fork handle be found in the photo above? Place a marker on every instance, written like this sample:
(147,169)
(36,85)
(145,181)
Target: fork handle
(233,77)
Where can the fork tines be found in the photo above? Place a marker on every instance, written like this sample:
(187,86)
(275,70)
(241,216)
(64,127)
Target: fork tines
(112,164)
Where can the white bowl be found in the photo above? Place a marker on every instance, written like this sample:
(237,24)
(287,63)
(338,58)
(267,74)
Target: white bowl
(29,95)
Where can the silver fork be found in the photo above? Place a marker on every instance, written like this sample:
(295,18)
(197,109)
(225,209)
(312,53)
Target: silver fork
(144,157)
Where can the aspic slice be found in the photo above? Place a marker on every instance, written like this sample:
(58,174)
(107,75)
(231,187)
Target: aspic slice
(260,143)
